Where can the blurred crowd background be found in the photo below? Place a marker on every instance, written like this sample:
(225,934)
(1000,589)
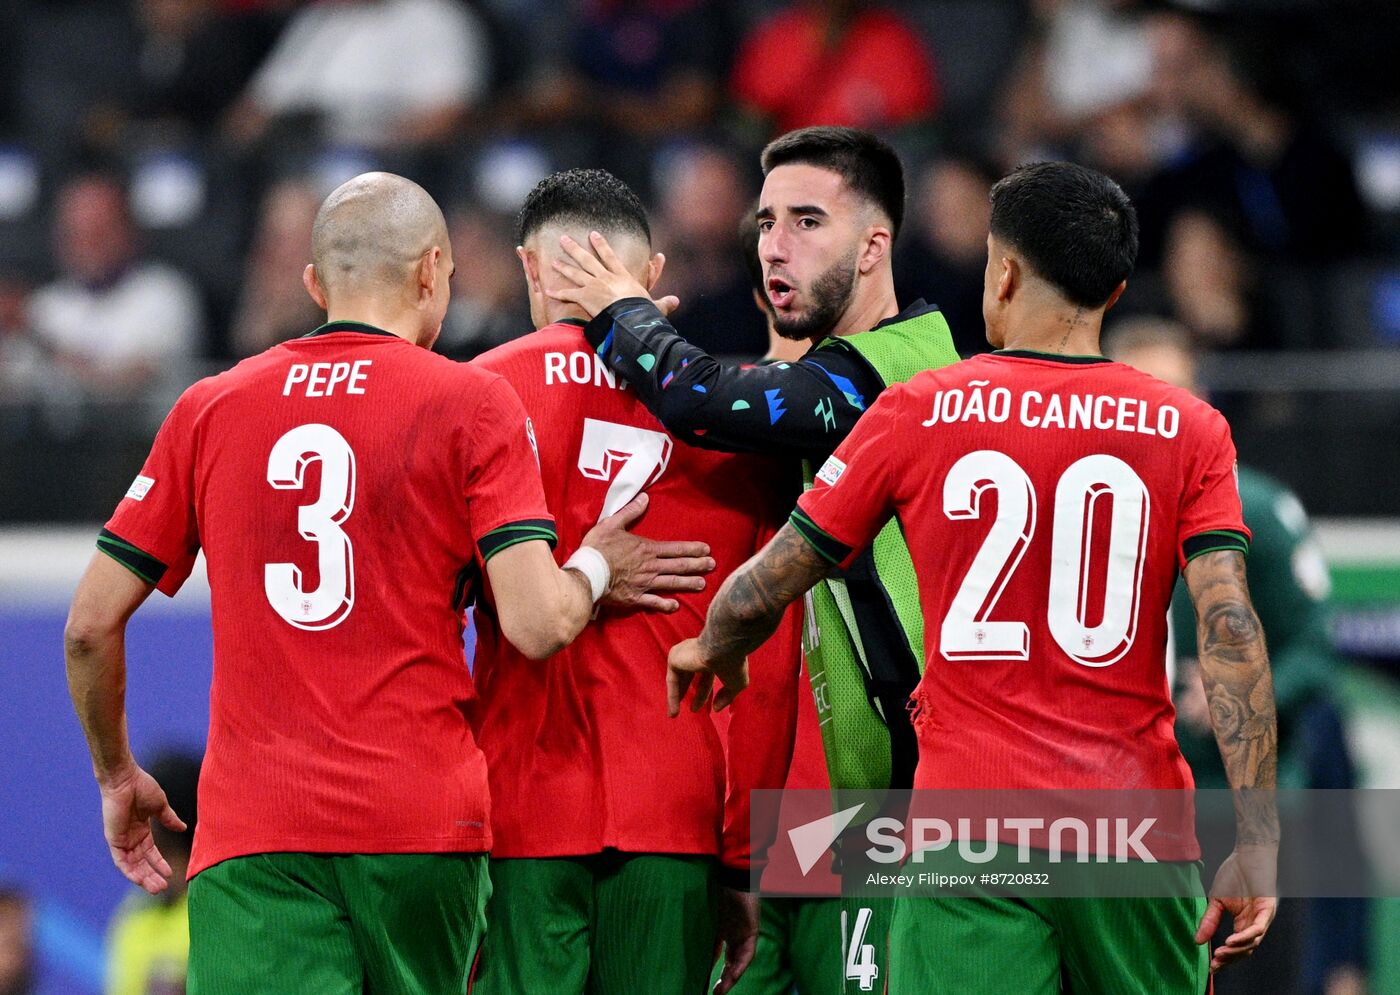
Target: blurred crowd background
(161,162)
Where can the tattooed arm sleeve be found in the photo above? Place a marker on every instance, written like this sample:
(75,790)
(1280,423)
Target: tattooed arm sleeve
(792,409)
(1239,689)
(751,602)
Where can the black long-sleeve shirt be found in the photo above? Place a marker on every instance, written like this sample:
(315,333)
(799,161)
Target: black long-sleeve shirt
(804,408)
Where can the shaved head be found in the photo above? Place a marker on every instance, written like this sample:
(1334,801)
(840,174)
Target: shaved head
(632,249)
(542,250)
(372,232)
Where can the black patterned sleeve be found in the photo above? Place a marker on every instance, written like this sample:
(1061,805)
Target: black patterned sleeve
(792,409)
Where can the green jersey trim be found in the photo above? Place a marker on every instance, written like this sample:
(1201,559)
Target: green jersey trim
(828,547)
(135,559)
(505,536)
(347,326)
(1214,541)
(1054,357)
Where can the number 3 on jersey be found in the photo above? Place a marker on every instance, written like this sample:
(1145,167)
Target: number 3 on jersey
(329,604)
(632,458)
(1091,487)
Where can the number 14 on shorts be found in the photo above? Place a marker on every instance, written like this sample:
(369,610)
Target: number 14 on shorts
(857,955)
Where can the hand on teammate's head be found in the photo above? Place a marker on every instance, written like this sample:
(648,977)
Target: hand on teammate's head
(600,278)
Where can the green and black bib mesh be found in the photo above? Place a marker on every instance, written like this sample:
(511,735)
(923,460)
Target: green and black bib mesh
(864,628)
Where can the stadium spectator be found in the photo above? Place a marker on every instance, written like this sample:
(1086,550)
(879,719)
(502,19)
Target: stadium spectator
(23,361)
(650,67)
(1207,280)
(273,304)
(183,63)
(148,940)
(700,193)
(383,74)
(1082,59)
(944,249)
(1082,89)
(18,963)
(113,319)
(194,60)
(1274,177)
(835,62)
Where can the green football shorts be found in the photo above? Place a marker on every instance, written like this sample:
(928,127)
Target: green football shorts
(607,923)
(337,924)
(1001,945)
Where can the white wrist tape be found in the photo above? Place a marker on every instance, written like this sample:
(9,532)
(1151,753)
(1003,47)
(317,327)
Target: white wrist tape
(589,562)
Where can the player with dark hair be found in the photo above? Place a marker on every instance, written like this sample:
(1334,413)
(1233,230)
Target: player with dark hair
(831,206)
(349,489)
(605,814)
(777,743)
(1046,626)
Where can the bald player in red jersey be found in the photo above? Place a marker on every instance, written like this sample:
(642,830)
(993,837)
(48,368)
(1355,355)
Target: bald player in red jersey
(349,489)
(1050,497)
(607,816)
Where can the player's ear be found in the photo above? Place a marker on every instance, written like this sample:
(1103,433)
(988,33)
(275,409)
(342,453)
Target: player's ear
(530,263)
(1117,293)
(1010,280)
(312,283)
(427,274)
(878,241)
(655,265)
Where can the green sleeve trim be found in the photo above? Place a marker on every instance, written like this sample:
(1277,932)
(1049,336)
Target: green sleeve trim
(512,533)
(828,547)
(1232,533)
(135,559)
(1214,541)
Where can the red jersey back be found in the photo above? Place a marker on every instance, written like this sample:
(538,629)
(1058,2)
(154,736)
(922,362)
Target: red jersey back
(1049,503)
(581,753)
(346,489)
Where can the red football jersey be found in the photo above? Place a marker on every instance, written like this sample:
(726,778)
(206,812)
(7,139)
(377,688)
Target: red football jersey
(1049,503)
(772,740)
(581,753)
(346,489)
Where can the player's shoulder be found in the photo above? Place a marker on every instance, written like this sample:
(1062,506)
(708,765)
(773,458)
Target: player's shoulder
(1196,414)
(207,391)
(550,338)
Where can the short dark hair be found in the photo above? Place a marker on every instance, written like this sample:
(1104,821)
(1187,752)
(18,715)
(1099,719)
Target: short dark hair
(866,164)
(1075,226)
(593,198)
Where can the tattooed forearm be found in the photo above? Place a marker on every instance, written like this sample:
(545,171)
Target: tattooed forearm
(751,602)
(1239,688)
